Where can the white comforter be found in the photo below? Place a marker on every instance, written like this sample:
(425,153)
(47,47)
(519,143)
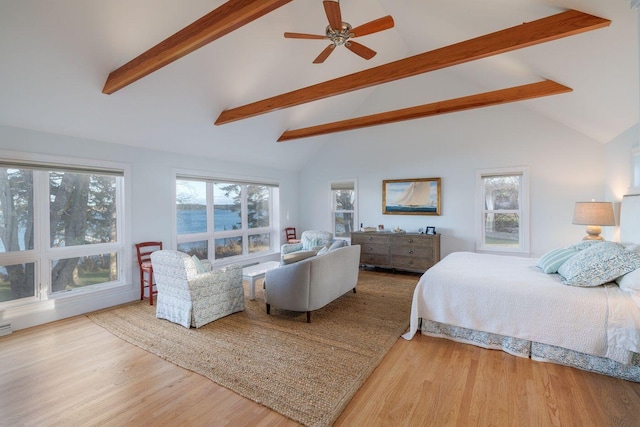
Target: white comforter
(510,296)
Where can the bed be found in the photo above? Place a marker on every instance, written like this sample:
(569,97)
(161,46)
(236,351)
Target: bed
(508,303)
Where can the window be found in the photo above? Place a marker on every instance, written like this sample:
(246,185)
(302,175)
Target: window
(503,197)
(59,230)
(224,219)
(343,201)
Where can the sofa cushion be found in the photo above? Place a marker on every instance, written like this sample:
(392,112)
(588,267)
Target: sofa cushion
(297,256)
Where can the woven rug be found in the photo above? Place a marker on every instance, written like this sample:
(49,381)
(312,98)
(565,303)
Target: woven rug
(305,371)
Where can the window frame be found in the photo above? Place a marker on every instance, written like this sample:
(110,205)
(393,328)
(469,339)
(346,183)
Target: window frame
(524,224)
(42,254)
(332,200)
(210,235)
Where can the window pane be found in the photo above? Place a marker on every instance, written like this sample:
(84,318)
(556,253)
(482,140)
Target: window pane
(259,242)
(501,192)
(230,246)
(17,281)
(344,200)
(502,230)
(191,206)
(258,206)
(72,273)
(82,208)
(344,224)
(199,249)
(226,207)
(16,210)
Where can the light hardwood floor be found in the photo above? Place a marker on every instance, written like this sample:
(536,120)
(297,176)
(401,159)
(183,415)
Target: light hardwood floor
(73,372)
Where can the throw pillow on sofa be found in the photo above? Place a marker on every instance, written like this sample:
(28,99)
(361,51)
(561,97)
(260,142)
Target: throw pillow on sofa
(297,256)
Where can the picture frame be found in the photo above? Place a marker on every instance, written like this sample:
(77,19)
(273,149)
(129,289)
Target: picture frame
(430,230)
(414,196)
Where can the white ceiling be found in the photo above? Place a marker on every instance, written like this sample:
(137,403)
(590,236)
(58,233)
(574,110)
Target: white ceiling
(55,57)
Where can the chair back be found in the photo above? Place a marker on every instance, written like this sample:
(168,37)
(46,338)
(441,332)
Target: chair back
(290,233)
(312,239)
(172,268)
(145,249)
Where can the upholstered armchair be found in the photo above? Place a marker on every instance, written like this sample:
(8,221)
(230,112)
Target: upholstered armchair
(191,298)
(310,240)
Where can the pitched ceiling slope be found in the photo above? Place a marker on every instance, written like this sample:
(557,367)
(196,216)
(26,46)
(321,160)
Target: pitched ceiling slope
(564,24)
(56,57)
(230,16)
(487,99)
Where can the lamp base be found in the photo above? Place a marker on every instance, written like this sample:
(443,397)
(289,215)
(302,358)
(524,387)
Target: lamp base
(590,237)
(593,233)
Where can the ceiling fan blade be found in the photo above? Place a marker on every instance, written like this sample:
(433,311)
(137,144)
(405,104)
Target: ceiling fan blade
(360,50)
(304,36)
(332,9)
(374,26)
(324,54)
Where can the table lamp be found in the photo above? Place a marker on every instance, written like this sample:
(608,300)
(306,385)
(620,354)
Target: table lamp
(593,214)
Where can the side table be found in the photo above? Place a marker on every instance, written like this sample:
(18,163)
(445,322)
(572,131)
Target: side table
(255,272)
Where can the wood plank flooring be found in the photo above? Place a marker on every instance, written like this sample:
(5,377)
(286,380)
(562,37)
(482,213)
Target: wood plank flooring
(74,373)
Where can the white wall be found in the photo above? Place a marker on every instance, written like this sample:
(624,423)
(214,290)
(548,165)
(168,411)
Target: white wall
(565,167)
(152,180)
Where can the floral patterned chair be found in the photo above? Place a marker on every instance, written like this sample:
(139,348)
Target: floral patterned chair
(191,293)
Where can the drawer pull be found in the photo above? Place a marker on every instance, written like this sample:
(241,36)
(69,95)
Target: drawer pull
(370,238)
(410,251)
(410,240)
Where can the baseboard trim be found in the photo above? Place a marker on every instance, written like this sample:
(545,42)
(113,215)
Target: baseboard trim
(5,329)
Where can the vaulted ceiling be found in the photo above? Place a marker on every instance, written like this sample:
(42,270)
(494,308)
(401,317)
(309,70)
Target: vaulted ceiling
(56,57)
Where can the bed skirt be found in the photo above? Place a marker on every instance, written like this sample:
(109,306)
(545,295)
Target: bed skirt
(534,350)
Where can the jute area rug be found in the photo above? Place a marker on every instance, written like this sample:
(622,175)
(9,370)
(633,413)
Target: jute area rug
(305,371)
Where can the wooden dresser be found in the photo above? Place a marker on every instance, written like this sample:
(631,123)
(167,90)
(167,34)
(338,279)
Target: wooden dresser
(410,252)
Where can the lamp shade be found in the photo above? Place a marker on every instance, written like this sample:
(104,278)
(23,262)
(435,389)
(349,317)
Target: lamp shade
(594,213)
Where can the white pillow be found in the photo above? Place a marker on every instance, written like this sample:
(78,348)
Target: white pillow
(630,281)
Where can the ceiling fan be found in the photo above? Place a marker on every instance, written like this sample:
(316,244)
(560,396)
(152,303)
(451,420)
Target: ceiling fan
(340,33)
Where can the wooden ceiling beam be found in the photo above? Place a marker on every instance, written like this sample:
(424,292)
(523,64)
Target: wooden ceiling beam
(563,24)
(497,97)
(229,17)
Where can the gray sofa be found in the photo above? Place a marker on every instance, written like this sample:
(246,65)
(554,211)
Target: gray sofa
(314,282)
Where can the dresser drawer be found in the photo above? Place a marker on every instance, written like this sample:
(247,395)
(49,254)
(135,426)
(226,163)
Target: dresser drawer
(364,238)
(412,241)
(373,259)
(409,263)
(412,251)
(373,249)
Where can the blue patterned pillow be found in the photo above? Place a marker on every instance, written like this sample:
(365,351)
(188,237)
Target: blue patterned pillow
(598,264)
(552,260)
(585,244)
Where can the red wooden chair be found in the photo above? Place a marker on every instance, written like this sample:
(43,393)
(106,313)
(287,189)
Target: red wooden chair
(144,250)
(291,235)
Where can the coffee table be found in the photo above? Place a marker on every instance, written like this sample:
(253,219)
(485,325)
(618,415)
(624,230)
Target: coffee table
(255,272)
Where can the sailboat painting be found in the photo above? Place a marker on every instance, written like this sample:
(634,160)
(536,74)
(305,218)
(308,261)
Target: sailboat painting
(419,196)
